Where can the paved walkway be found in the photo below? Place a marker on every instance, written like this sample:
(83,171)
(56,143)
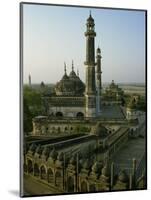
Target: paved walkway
(135,148)
(34,187)
(112,112)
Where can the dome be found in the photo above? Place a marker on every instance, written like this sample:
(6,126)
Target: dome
(32,147)
(39,149)
(87,164)
(132,104)
(42,84)
(96,168)
(98,50)
(60,156)
(100,130)
(90,19)
(53,154)
(70,85)
(64,87)
(123,177)
(45,151)
(73,160)
(113,85)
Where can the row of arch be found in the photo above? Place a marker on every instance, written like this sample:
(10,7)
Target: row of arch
(56,178)
(64,129)
(78,115)
(43,173)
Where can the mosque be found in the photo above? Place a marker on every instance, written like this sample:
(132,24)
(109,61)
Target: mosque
(83,130)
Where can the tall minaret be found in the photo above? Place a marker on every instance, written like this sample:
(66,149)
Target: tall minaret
(98,80)
(90,91)
(29,78)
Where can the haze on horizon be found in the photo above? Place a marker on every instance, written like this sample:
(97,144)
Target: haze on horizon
(53,35)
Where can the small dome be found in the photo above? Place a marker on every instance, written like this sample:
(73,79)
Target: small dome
(87,164)
(113,85)
(106,170)
(123,177)
(132,104)
(53,154)
(39,149)
(45,151)
(98,50)
(42,84)
(96,168)
(73,160)
(32,147)
(90,18)
(60,156)
(70,85)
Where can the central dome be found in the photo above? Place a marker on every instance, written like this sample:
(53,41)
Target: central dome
(70,85)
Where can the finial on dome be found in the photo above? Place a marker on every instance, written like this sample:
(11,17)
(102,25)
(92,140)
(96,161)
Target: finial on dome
(98,50)
(65,70)
(72,66)
(90,13)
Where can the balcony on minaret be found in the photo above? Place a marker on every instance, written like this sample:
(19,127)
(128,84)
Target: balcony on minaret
(90,27)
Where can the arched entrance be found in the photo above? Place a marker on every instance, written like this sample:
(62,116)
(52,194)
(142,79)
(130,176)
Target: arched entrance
(80,115)
(43,173)
(50,176)
(36,170)
(70,184)
(29,166)
(84,187)
(58,178)
(59,114)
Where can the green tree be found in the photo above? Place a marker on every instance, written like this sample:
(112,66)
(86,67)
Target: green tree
(27,116)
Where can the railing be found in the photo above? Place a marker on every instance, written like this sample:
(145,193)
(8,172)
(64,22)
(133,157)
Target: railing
(85,119)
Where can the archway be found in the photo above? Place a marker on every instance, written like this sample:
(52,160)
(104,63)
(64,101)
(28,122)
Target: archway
(84,187)
(58,178)
(92,188)
(36,170)
(80,115)
(50,176)
(70,184)
(43,173)
(29,166)
(59,114)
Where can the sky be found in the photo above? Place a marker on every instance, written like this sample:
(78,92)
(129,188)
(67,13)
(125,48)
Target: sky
(53,35)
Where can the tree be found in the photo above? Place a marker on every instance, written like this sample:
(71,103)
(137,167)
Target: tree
(27,117)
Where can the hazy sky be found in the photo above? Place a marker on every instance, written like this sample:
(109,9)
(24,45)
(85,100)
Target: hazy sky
(54,35)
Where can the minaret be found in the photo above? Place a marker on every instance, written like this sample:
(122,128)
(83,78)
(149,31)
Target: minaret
(90,91)
(98,80)
(29,78)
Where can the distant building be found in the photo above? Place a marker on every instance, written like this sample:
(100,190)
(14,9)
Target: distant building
(113,93)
